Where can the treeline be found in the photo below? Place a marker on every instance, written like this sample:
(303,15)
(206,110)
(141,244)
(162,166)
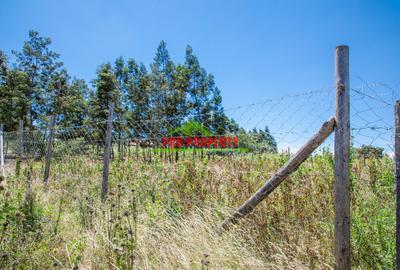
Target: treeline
(38,85)
(148,101)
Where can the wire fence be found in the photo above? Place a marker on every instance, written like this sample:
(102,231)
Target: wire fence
(281,124)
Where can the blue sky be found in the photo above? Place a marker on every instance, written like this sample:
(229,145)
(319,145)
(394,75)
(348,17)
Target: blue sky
(256,49)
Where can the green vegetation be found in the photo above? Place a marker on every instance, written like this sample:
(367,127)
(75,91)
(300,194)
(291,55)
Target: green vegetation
(191,129)
(369,151)
(164,205)
(258,141)
(37,85)
(163,214)
(168,98)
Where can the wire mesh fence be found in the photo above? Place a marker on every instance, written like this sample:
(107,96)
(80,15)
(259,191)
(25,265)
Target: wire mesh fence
(281,124)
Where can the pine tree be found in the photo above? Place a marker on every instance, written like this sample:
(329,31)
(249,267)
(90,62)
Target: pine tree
(139,90)
(71,106)
(217,122)
(164,98)
(14,98)
(204,98)
(152,103)
(197,87)
(3,66)
(40,64)
(106,92)
(269,140)
(121,73)
(262,141)
(121,76)
(180,86)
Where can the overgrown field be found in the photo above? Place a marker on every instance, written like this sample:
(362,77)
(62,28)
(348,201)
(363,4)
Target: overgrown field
(163,215)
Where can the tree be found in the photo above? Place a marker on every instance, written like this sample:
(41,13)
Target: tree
(151,102)
(14,99)
(166,100)
(258,140)
(40,64)
(198,89)
(106,92)
(181,85)
(204,98)
(370,151)
(176,108)
(71,108)
(138,96)
(267,141)
(3,66)
(217,121)
(121,77)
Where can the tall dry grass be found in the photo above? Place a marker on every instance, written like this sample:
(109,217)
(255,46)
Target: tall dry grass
(163,215)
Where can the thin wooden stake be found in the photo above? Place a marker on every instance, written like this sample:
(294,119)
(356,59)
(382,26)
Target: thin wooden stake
(397,161)
(49,149)
(2,151)
(107,151)
(342,150)
(282,174)
(20,138)
(20,147)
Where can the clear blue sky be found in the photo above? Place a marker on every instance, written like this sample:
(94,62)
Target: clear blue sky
(255,49)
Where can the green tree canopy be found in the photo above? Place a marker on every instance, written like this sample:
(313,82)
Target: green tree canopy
(168,97)
(40,63)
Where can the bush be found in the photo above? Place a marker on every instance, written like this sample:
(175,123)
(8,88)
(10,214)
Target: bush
(191,129)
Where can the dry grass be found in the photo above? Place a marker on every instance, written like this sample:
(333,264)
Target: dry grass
(163,215)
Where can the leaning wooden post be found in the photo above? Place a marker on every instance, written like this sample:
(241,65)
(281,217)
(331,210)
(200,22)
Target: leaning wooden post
(301,155)
(107,151)
(20,146)
(2,151)
(397,161)
(49,149)
(342,150)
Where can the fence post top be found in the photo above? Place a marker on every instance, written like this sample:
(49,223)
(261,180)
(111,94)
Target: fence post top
(342,47)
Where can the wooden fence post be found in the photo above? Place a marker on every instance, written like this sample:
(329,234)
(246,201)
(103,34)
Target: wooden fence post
(20,138)
(20,150)
(49,149)
(397,162)
(342,150)
(107,151)
(2,150)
